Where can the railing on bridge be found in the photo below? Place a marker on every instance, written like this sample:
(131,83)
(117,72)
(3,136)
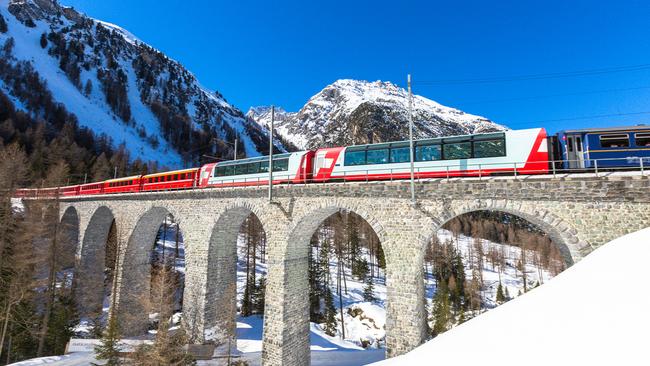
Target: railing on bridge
(457,170)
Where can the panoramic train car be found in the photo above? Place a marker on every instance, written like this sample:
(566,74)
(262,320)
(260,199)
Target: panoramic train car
(611,147)
(287,168)
(177,179)
(523,151)
(123,185)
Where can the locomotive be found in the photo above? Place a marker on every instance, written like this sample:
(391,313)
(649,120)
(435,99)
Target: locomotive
(512,152)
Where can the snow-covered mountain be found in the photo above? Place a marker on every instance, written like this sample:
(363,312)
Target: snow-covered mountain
(115,85)
(350,112)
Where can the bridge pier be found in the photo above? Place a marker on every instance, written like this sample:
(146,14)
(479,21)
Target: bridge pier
(578,213)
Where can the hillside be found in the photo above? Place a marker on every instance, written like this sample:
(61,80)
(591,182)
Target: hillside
(350,112)
(594,313)
(118,87)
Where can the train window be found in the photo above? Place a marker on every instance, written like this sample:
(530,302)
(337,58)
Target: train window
(355,157)
(264,167)
(400,155)
(615,140)
(489,148)
(428,153)
(280,165)
(569,144)
(377,156)
(642,138)
(240,169)
(253,168)
(461,150)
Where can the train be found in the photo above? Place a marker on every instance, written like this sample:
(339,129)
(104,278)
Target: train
(511,152)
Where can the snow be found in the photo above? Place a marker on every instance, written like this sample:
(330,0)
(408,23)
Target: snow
(93,113)
(594,313)
(343,97)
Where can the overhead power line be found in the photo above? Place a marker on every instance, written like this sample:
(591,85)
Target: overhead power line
(555,95)
(555,75)
(590,117)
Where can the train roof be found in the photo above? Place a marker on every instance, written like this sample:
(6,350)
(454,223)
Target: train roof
(436,140)
(170,172)
(609,129)
(253,160)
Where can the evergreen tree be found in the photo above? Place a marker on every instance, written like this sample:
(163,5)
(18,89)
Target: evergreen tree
(3,25)
(441,310)
(369,290)
(500,295)
(110,347)
(330,313)
(88,88)
(259,296)
(43,40)
(507,294)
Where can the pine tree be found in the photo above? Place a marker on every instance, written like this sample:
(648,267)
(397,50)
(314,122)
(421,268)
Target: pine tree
(507,294)
(369,290)
(259,296)
(110,347)
(3,25)
(330,313)
(168,349)
(43,40)
(441,310)
(500,296)
(88,88)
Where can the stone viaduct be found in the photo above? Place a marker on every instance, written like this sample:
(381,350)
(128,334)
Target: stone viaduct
(578,212)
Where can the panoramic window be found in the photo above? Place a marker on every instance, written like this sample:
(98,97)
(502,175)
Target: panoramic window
(642,138)
(240,169)
(615,140)
(355,157)
(377,156)
(428,153)
(253,168)
(400,155)
(281,165)
(489,148)
(461,150)
(264,167)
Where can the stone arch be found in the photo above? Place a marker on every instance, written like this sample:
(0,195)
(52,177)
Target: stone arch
(561,233)
(294,329)
(221,282)
(135,271)
(69,228)
(89,275)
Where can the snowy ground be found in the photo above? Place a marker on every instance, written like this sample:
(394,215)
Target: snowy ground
(594,313)
(367,327)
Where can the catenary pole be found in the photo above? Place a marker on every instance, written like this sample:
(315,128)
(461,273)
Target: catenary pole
(271,155)
(412,152)
(235,149)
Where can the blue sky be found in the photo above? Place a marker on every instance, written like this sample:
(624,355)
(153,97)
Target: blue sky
(283,52)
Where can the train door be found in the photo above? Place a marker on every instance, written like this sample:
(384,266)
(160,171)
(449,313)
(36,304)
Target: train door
(575,152)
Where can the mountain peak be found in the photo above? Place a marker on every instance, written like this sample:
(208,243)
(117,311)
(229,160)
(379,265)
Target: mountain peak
(117,86)
(349,112)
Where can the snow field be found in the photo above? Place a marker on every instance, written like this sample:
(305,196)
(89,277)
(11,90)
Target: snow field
(593,313)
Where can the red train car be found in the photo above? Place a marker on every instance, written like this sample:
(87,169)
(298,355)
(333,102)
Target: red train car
(177,179)
(123,185)
(91,188)
(70,190)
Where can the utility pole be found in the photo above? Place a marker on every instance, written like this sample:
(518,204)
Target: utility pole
(411,140)
(271,155)
(235,149)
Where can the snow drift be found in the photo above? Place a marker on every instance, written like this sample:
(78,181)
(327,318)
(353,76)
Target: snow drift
(594,313)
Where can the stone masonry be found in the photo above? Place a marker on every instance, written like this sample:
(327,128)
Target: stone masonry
(579,213)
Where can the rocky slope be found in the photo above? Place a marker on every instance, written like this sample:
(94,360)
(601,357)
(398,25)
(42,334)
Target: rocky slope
(115,85)
(350,112)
